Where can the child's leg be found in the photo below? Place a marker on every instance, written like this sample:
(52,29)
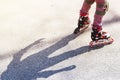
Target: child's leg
(97,33)
(83,21)
(101,8)
(86,6)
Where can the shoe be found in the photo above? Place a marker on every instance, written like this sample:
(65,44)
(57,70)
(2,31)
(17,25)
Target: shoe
(83,23)
(98,34)
(100,37)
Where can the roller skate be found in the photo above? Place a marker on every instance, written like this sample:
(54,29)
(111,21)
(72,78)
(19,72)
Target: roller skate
(83,23)
(100,38)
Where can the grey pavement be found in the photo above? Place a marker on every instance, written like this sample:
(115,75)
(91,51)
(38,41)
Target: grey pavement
(36,42)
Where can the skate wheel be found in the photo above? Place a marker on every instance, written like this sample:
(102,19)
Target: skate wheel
(91,44)
(100,44)
(80,30)
(111,40)
(77,30)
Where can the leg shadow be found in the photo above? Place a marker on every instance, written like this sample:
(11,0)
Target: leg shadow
(46,74)
(23,50)
(30,66)
(114,19)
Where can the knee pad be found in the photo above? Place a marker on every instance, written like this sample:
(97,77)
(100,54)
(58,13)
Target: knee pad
(102,8)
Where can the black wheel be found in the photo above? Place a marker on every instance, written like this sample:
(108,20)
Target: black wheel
(77,30)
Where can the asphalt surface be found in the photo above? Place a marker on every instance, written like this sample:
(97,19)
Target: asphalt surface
(37,42)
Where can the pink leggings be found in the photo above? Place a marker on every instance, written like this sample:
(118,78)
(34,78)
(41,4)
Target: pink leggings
(100,10)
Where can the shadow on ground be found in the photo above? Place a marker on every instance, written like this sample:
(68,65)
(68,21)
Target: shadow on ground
(114,19)
(31,67)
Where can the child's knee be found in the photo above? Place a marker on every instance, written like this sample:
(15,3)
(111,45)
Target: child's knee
(102,7)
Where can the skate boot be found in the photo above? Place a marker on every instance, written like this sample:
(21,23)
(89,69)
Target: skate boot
(100,38)
(83,23)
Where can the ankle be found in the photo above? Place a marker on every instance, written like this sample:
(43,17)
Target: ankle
(82,13)
(97,28)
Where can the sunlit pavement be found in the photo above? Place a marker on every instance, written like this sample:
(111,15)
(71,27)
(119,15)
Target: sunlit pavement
(36,42)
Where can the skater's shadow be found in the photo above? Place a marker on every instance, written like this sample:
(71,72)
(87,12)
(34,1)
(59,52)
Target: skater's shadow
(32,67)
(23,50)
(114,19)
